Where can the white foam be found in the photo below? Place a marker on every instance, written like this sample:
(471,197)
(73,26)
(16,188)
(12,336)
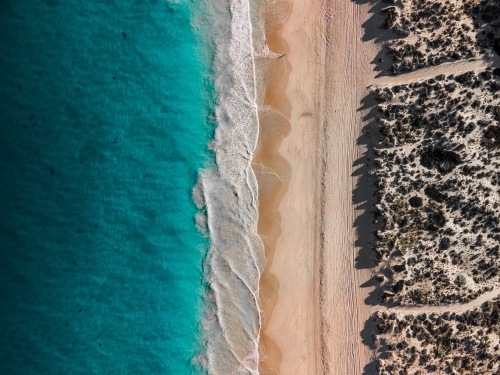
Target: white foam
(236,256)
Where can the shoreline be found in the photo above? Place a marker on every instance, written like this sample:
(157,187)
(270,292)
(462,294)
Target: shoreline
(235,260)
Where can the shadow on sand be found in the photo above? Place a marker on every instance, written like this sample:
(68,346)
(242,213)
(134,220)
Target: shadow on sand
(365,197)
(365,194)
(373,30)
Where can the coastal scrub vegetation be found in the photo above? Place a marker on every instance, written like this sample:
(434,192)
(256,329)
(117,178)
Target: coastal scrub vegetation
(449,342)
(441,31)
(439,188)
(437,177)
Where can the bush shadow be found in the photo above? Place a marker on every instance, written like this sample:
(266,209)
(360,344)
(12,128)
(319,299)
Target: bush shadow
(374,30)
(365,197)
(368,335)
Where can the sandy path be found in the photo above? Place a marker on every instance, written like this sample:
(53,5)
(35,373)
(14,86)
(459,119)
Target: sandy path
(347,73)
(459,307)
(448,68)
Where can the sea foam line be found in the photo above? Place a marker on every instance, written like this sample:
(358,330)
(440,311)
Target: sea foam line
(235,259)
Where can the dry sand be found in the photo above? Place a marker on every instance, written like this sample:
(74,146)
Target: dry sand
(311,291)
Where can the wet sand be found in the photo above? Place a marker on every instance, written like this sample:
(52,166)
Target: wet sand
(273,174)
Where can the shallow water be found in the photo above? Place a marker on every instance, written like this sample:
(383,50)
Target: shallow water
(103,120)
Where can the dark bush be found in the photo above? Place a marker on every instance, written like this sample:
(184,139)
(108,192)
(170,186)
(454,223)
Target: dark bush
(434,194)
(416,202)
(464,78)
(443,161)
(492,136)
(398,287)
(402,345)
(486,75)
(436,220)
(494,87)
(460,280)
(444,243)
(384,95)
(470,128)
(399,268)
(417,184)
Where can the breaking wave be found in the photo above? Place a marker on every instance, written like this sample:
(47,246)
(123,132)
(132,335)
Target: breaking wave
(236,257)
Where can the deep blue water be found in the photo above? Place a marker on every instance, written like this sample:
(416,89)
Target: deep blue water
(103,129)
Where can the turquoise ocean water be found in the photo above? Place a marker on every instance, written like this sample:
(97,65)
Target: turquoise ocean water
(103,129)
